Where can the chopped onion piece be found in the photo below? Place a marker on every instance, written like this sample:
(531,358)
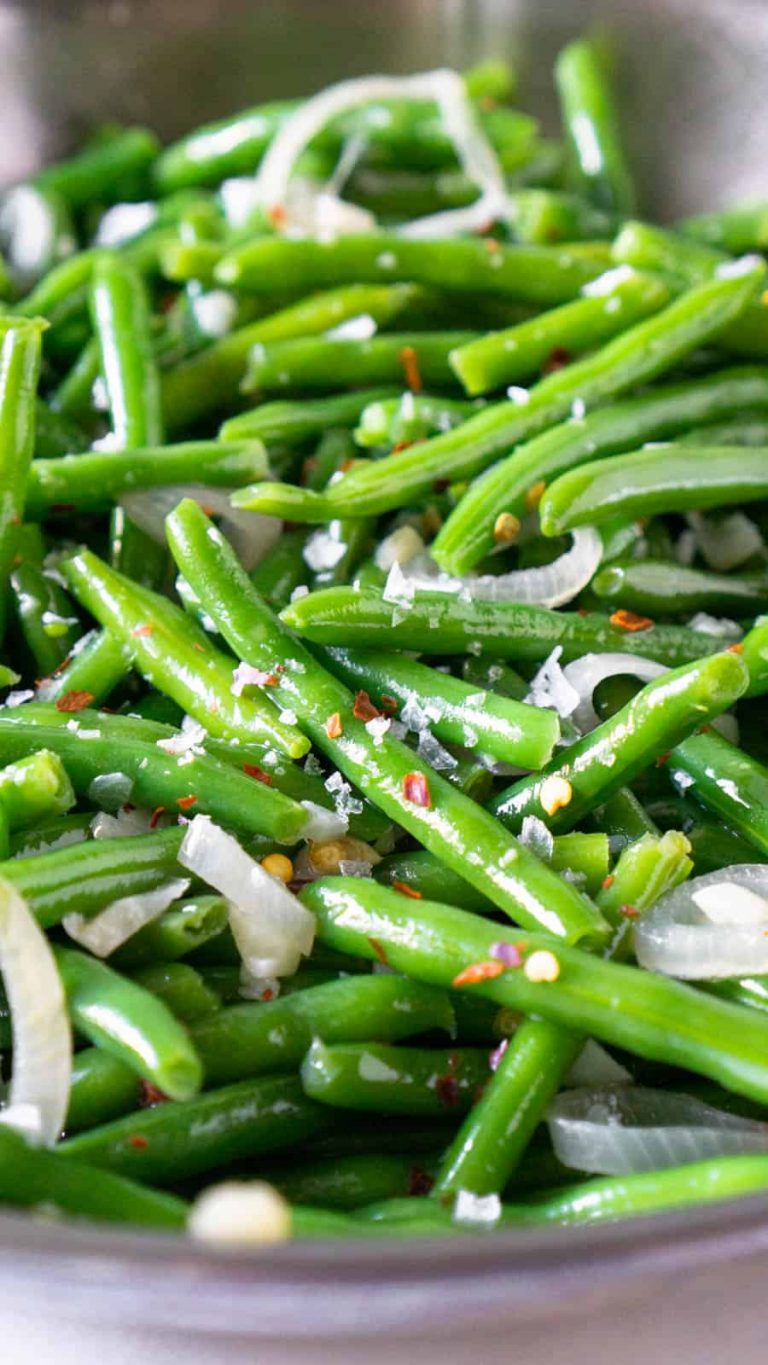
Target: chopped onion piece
(250,534)
(322,823)
(726,542)
(240,1213)
(475,153)
(123,825)
(124,221)
(110,790)
(398,548)
(104,933)
(594,1066)
(709,927)
(42,1040)
(546,585)
(270,926)
(551,689)
(585,673)
(619,1130)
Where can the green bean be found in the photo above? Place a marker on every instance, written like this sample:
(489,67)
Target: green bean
(394,1080)
(671,409)
(713,845)
(33,788)
(648,585)
(641,353)
(444,820)
(208,382)
(647,869)
(727,782)
(410,417)
(283,570)
(180,988)
(250,1039)
(94,745)
(350,1182)
(103,1088)
(126,1020)
(104,170)
(178,932)
(542,216)
(83,878)
(442,623)
(32,1177)
(96,666)
(174,658)
(55,434)
(755,656)
(751,991)
(45,615)
(495,676)
(317,363)
(667,710)
(591,122)
(623,817)
(73,397)
(543,275)
(750,429)
(292,421)
(19,371)
(651,1016)
(91,482)
(516,354)
(666,478)
(744,227)
(171,1142)
(455,711)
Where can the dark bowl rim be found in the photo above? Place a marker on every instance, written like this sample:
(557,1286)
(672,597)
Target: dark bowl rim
(329,1288)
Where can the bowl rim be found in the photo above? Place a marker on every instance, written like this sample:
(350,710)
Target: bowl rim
(346,1288)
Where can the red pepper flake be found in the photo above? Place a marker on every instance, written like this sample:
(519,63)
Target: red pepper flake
(557,359)
(629,620)
(491,245)
(379,951)
(253,770)
(582,611)
(200,648)
(441,485)
(308,468)
(488,102)
(406,890)
(143,630)
(150,1095)
(74,701)
(155,816)
(277,215)
(663,758)
(333,726)
(364,708)
(608,881)
(410,364)
(477,972)
(185,802)
(448,1092)
(62,507)
(346,464)
(128,807)
(139,1142)
(207,509)
(737,648)
(416,790)
(388,703)
(400,445)
(419,1183)
(628,911)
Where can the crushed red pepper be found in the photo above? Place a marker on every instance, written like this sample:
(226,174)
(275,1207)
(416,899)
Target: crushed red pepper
(416,790)
(155,816)
(146,629)
(629,620)
(74,701)
(364,708)
(333,726)
(406,890)
(478,972)
(410,364)
(253,770)
(186,802)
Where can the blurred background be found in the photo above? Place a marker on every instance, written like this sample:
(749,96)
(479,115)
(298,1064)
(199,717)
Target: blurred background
(691,72)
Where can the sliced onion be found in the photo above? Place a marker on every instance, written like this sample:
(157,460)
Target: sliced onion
(585,673)
(323,823)
(726,542)
(551,689)
(594,1066)
(123,825)
(250,534)
(709,927)
(110,790)
(547,585)
(270,926)
(446,88)
(619,1130)
(42,1041)
(104,933)
(401,546)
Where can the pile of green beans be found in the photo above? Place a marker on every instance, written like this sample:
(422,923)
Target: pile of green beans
(298,528)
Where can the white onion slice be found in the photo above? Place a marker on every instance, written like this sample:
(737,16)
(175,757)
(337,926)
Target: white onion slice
(696,932)
(122,825)
(585,673)
(594,1066)
(619,1130)
(250,534)
(104,933)
(270,926)
(446,88)
(547,585)
(42,1040)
